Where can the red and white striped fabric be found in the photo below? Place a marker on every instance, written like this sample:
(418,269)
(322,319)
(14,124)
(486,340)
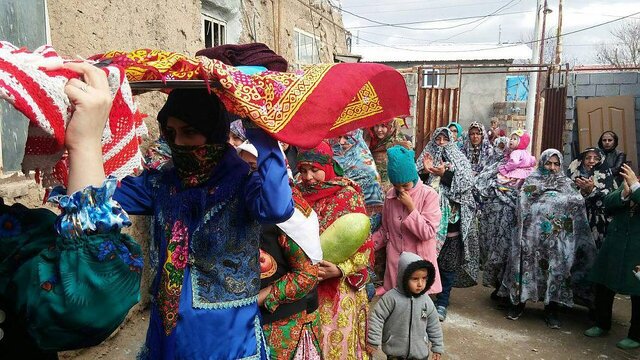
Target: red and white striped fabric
(33,82)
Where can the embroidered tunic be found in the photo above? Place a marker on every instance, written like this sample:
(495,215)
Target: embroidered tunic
(205,250)
(344,316)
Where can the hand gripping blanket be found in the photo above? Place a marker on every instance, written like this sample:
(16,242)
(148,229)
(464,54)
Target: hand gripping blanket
(33,82)
(300,108)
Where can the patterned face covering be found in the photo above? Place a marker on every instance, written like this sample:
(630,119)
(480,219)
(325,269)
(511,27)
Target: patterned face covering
(194,164)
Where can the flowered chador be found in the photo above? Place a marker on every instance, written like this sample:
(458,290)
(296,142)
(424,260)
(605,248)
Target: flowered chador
(456,203)
(553,249)
(604,182)
(478,155)
(379,146)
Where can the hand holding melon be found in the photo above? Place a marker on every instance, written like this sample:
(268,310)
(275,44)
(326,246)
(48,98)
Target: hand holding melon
(343,238)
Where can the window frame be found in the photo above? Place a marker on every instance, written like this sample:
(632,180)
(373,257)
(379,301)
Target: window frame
(430,73)
(315,47)
(216,40)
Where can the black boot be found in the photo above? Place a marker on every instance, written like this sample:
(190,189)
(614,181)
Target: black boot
(515,311)
(551,316)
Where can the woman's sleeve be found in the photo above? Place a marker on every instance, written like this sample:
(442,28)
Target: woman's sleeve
(620,160)
(447,178)
(354,269)
(614,202)
(424,222)
(268,194)
(381,236)
(134,193)
(91,210)
(78,284)
(296,284)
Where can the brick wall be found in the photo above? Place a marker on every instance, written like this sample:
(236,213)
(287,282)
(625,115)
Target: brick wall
(586,85)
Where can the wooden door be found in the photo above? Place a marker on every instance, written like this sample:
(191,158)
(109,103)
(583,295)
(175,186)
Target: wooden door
(615,113)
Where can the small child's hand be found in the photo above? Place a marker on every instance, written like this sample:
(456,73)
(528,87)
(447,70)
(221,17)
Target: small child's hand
(436,356)
(406,200)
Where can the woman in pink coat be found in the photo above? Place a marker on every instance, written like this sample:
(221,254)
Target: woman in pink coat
(410,218)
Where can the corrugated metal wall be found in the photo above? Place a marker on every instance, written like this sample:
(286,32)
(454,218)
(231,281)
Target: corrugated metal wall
(436,108)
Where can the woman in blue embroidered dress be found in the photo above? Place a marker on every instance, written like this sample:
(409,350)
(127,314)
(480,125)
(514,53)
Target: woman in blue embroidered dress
(205,248)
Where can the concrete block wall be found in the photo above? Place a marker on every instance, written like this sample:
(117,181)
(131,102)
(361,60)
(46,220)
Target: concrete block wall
(585,85)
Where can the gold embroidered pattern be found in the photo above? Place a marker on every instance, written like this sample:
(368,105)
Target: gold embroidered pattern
(365,104)
(270,100)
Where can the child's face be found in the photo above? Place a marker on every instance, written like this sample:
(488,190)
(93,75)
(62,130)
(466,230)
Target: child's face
(403,187)
(514,142)
(418,281)
(380,130)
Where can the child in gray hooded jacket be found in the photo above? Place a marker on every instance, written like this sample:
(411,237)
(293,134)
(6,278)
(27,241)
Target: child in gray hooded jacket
(405,320)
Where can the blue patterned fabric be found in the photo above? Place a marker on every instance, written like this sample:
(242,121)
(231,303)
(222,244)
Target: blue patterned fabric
(89,211)
(358,165)
(217,313)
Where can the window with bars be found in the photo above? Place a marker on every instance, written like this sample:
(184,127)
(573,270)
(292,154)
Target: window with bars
(430,78)
(214,32)
(305,47)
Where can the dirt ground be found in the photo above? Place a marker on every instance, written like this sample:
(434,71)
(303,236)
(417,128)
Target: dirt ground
(474,329)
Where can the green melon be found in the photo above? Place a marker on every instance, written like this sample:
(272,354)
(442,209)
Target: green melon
(341,240)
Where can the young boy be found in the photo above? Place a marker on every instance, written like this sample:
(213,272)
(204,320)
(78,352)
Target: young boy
(405,320)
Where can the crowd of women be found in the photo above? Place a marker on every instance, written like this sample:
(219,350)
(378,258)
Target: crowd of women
(468,203)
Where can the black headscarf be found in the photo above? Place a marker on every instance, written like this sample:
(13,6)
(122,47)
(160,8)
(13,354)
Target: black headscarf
(200,109)
(615,141)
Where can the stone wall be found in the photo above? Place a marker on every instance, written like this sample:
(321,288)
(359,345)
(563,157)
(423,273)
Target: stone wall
(585,85)
(273,22)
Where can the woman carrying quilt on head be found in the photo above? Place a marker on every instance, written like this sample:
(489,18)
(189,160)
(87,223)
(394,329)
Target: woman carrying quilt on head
(206,209)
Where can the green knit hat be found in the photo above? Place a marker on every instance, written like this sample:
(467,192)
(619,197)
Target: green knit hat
(401,168)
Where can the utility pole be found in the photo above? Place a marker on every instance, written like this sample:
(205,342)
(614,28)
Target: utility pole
(533,77)
(559,35)
(538,120)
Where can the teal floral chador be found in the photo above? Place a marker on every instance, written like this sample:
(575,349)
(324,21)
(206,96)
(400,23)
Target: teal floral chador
(553,249)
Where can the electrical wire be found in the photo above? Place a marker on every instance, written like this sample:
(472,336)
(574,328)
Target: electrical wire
(402,25)
(405,9)
(509,45)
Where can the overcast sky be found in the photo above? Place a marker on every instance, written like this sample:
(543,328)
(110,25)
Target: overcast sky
(516,24)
